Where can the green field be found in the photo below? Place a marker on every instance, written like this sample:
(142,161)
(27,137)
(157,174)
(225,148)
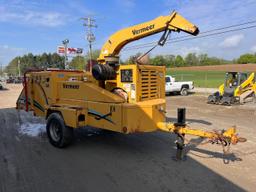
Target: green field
(209,79)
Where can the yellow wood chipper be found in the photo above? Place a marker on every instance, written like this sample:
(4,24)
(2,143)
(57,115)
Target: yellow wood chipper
(122,98)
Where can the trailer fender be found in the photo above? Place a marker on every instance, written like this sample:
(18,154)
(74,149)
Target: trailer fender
(73,117)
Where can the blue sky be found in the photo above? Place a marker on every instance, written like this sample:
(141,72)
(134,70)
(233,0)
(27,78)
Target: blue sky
(40,26)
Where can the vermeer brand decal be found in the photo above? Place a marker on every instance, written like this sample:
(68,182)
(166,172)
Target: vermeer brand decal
(136,32)
(65,86)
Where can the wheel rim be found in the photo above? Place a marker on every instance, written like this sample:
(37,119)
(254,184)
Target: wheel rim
(55,131)
(184,92)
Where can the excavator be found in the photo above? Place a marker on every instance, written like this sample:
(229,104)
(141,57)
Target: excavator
(126,98)
(235,90)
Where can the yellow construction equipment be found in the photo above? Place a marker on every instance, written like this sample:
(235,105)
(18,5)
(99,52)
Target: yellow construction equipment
(236,88)
(123,98)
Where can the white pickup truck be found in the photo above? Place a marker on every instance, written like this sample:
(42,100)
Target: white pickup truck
(182,87)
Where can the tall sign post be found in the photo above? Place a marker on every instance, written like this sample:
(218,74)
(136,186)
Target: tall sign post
(65,44)
(1,74)
(89,24)
(19,67)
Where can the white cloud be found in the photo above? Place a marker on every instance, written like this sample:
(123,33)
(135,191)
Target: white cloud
(126,4)
(7,53)
(185,50)
(48,19)
(78,7)
(179,50)
(15,14)
(208,15)
(8,48)
(253,49)
(232,41)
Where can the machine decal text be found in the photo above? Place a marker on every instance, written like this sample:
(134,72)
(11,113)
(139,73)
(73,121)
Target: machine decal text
(65,86)
(136,32)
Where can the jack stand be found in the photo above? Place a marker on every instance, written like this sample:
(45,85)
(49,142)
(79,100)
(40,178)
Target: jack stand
(180,148)
(180,144)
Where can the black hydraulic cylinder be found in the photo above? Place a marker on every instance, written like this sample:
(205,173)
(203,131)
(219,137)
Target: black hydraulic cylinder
(181,116)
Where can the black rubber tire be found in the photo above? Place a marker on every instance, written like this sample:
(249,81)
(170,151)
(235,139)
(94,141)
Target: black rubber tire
(167,93)
(65,133)
(184,91)
(254,98)
(103,72)
(211,99)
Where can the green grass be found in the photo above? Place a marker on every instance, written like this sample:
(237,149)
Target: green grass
(209,79)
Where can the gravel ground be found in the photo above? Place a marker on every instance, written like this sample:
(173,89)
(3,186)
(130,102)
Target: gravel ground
(206,91)
(100,161)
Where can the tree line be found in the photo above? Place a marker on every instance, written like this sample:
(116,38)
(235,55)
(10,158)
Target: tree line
(192,59)
(53,60)
(246,58)
(44,61)
(30,61)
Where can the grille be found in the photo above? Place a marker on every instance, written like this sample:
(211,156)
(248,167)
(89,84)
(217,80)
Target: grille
(149,89)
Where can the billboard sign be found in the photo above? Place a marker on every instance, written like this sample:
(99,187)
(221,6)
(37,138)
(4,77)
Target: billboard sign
(61,50)
(70,50)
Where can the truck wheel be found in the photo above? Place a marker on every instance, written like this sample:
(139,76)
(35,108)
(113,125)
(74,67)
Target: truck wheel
(184,91)
(58,133)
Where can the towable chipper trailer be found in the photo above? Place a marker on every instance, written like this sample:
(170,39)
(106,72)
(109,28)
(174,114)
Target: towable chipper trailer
(121,98)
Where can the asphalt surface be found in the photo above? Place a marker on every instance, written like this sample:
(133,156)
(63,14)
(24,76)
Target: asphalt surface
(103,161)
